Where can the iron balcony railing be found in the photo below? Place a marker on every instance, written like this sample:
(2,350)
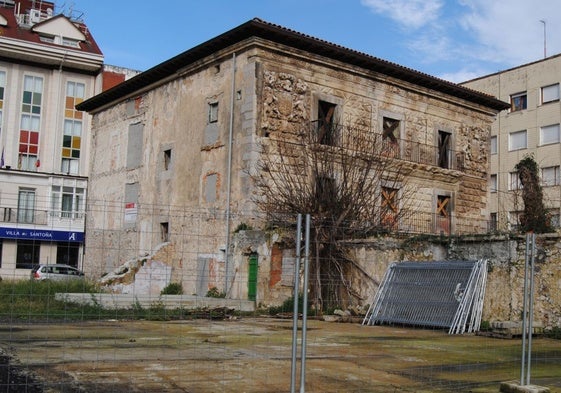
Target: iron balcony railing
(364,140)
(36,216)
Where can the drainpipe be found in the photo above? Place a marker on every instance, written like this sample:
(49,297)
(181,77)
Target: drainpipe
(229,173)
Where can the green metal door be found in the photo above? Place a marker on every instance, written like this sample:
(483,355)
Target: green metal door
(252,277)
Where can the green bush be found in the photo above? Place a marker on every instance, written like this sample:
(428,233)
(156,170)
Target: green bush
(288,306)
(173,288)
(27,299)
(243,227)
(214,292)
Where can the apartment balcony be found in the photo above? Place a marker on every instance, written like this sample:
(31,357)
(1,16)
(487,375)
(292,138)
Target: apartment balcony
(37,217)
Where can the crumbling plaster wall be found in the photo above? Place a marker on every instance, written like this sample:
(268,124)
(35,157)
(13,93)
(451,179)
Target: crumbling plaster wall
(272,93)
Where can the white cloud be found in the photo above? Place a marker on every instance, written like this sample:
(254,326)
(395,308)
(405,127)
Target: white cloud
(408,13)
(472,36)
(511,31)
(462,75)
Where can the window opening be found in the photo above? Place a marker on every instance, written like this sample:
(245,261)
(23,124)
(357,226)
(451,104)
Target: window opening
(67,253)
(517,140)
(27,254)
(550,93)
(549,134)
(389,208)
(444,152)
(493,223)
(326,127)
(72,128)
(67,202)
(167,159)
(30,123)
(390,133)
(493,183)
(164,231)
(213,112)
(514,183)
(550,176)
(326,192)
(443,214)
(518,102)
(26,205)
(494,146)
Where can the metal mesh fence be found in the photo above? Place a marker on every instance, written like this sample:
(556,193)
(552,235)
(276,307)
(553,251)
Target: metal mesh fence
(124,328)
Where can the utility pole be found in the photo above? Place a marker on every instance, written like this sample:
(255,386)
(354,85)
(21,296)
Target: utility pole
(544,40)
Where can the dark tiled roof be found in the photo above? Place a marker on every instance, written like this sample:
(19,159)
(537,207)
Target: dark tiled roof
(272,32)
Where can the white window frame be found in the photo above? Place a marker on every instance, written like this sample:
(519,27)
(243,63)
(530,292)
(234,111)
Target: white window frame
(494,144)
(514,182)
(550,93)
(550,134)
(516,101)
(493,182)
(551,176)
(68,202)
(512,146)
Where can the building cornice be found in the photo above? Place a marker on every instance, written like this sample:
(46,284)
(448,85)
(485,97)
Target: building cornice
(50,55)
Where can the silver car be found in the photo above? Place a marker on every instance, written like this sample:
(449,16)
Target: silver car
(56,272)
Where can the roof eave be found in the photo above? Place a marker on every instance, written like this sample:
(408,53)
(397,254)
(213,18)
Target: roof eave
(275,33)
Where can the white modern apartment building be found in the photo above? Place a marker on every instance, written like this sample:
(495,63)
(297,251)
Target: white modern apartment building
(48,64)
(531,127)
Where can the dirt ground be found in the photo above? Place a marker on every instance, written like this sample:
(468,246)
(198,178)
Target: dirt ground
(254,355)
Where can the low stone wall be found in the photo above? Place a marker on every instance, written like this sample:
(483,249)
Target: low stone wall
(116,301)
(506,265)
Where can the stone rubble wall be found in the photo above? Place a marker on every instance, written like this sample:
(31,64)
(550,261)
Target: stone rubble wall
(506,267)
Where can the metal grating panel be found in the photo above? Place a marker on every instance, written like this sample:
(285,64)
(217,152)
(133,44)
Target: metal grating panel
(446,294)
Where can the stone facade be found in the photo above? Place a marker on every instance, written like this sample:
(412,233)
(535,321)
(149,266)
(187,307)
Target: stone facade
(173,149)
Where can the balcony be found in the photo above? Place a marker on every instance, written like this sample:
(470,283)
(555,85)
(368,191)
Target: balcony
(40,217)
(23,216)
(366,141)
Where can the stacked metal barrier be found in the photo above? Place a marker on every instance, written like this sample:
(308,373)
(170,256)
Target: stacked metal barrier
(444,294)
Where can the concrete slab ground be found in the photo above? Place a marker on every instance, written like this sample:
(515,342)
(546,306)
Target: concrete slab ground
(515,387)
(254,355)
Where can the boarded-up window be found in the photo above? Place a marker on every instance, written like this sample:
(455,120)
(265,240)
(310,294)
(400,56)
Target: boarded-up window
(135,145)
(131,203)
(211,130)
(203,268)
(389,208)
(211,183)
(390,136)
(276,266)
(443,214)
(288,263)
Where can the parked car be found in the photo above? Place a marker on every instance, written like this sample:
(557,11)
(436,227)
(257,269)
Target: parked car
(56,272)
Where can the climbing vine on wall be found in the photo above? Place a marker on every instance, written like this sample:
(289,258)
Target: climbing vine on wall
(535,218)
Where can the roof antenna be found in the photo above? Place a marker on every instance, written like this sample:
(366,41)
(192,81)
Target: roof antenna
(544,40)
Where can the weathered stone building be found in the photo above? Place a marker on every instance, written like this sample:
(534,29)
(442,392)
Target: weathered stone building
(173,146)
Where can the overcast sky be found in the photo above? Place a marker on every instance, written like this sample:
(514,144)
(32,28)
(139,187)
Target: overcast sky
(455,40)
